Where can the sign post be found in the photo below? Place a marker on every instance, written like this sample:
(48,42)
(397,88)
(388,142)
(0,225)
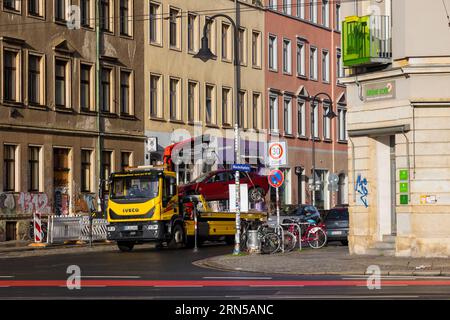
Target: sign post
(277,157)
(276,179)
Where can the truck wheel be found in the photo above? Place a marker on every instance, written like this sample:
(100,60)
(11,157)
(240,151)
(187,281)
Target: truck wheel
(178,237)
(125,246)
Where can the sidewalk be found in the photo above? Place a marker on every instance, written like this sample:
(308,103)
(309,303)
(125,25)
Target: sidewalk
(331,260)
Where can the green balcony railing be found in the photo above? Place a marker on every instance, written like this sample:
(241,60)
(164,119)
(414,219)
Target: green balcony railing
(366,40)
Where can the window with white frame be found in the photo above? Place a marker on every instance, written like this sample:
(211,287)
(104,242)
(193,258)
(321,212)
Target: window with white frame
(256,49)
(315,129)
(86,86)
(287,56)
(210,104)
(106,15)
(36,78)
(87,13)
(273,53)
(242,41)
(325,13)
(339,64)
(326,125)
(175,28)
(126,25)
(13,5)
(226,107)
(338,17)
(36,8)
(242,97)
(126,96)
(226,48)
(106,85)
(211,33)
(287,7)
(192,34)
(62,83)
(11,75)
(86,170)
(10,167)
(156,96)
(301,66)
(155,23)
(34,169)
(174,99)
(313,63)
(325,66)
(192,101)
(256,102)
(342,115)
(301,117)
(300,9)
(287,115)
(273,4)
(273,113)
(313,11)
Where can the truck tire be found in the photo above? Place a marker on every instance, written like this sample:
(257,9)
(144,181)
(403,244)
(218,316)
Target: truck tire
(125,246)
(178,237)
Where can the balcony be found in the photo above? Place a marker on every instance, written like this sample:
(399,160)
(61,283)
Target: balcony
(366,41)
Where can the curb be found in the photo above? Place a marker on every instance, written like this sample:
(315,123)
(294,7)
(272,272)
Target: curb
(50,247)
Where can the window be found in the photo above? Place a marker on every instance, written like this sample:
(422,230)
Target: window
(301,118)
(125,96)
(301,9)
(326,122)
(107,166)
(225,39)
(105,15)
(325,13)
(155,96)
(226,106)
(12,4)
(255,109)
(61,83)
(85,11)
(125,19)
(325,66)
(273,113)
(273,4)
(301,69)
(315,129)
(174,91)
(9,167)
(34,169)
(11,79)
(35,8)
(313,63)
(242,40)
(85,87)
(287,56)
(256,49)
(338,17)
(342,115)
(35,79)
(287,8)
(86,171)
(273,53)
(174,25)
(125,160)
(155,23)
(209,104)
(192,32)
(287,118)
(242,107)
(339,64)
(60,10)
(105,90)
(192,100)
(313,11)
(211,33)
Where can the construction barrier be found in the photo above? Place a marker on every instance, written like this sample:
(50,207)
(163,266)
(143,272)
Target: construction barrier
(37,224)
(76,228)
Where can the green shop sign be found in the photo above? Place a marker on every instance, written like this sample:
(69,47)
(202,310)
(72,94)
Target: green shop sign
(379,91)
(404,186)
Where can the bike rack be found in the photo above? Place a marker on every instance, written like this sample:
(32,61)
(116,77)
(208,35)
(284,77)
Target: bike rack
(277,228)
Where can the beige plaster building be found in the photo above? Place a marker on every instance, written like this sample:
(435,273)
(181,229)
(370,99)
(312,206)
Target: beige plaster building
(48,129)
(195,98)
(398,97)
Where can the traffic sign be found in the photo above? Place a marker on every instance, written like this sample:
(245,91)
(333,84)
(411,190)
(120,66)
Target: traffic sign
(276,178)
(277,154)
(242,167)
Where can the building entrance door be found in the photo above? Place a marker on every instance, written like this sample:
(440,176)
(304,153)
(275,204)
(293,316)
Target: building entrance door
(61,172)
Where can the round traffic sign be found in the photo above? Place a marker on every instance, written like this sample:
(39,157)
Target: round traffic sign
(276,151)
(276,178)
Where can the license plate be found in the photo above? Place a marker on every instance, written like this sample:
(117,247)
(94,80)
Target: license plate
(335,233)
(131,228)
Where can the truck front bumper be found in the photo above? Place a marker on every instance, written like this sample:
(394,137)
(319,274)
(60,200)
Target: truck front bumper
(136,231)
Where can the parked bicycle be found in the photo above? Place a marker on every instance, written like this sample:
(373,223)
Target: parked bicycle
(312,232)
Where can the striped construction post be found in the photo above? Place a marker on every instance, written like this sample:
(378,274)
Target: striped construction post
(38,234)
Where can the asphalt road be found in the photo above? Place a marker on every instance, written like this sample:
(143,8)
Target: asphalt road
(148,273)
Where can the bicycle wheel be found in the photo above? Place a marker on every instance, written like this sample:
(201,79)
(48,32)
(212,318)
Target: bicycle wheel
(289,241)
(316,237)
(270,243)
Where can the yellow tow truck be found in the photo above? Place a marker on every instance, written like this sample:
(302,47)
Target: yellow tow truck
(143,206)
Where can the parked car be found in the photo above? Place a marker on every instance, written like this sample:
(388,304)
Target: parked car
(300,212)
(214,185)
(337,224)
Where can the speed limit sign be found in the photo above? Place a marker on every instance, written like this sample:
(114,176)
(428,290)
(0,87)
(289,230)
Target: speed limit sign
(277,154)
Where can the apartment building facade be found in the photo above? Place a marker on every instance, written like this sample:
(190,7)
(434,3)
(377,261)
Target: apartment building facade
(304,59)
(187,97)
(48,115)
(398,97)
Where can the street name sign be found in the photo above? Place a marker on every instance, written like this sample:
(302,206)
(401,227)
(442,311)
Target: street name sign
(241,167)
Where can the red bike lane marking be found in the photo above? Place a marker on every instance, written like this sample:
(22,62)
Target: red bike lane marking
(219,283)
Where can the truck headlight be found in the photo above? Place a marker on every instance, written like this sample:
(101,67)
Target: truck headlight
(152,227)
(111,228)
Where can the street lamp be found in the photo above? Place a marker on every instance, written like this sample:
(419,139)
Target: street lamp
(205,54)
(330,115)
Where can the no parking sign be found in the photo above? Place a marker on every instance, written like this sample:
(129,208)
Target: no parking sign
(276,178)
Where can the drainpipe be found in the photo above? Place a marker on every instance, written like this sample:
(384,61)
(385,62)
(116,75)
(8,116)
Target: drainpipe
(97,104)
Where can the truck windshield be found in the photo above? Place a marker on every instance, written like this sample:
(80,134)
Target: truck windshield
(135,187)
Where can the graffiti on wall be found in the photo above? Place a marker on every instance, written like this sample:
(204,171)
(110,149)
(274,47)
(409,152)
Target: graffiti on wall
(24,203)
(362,191)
